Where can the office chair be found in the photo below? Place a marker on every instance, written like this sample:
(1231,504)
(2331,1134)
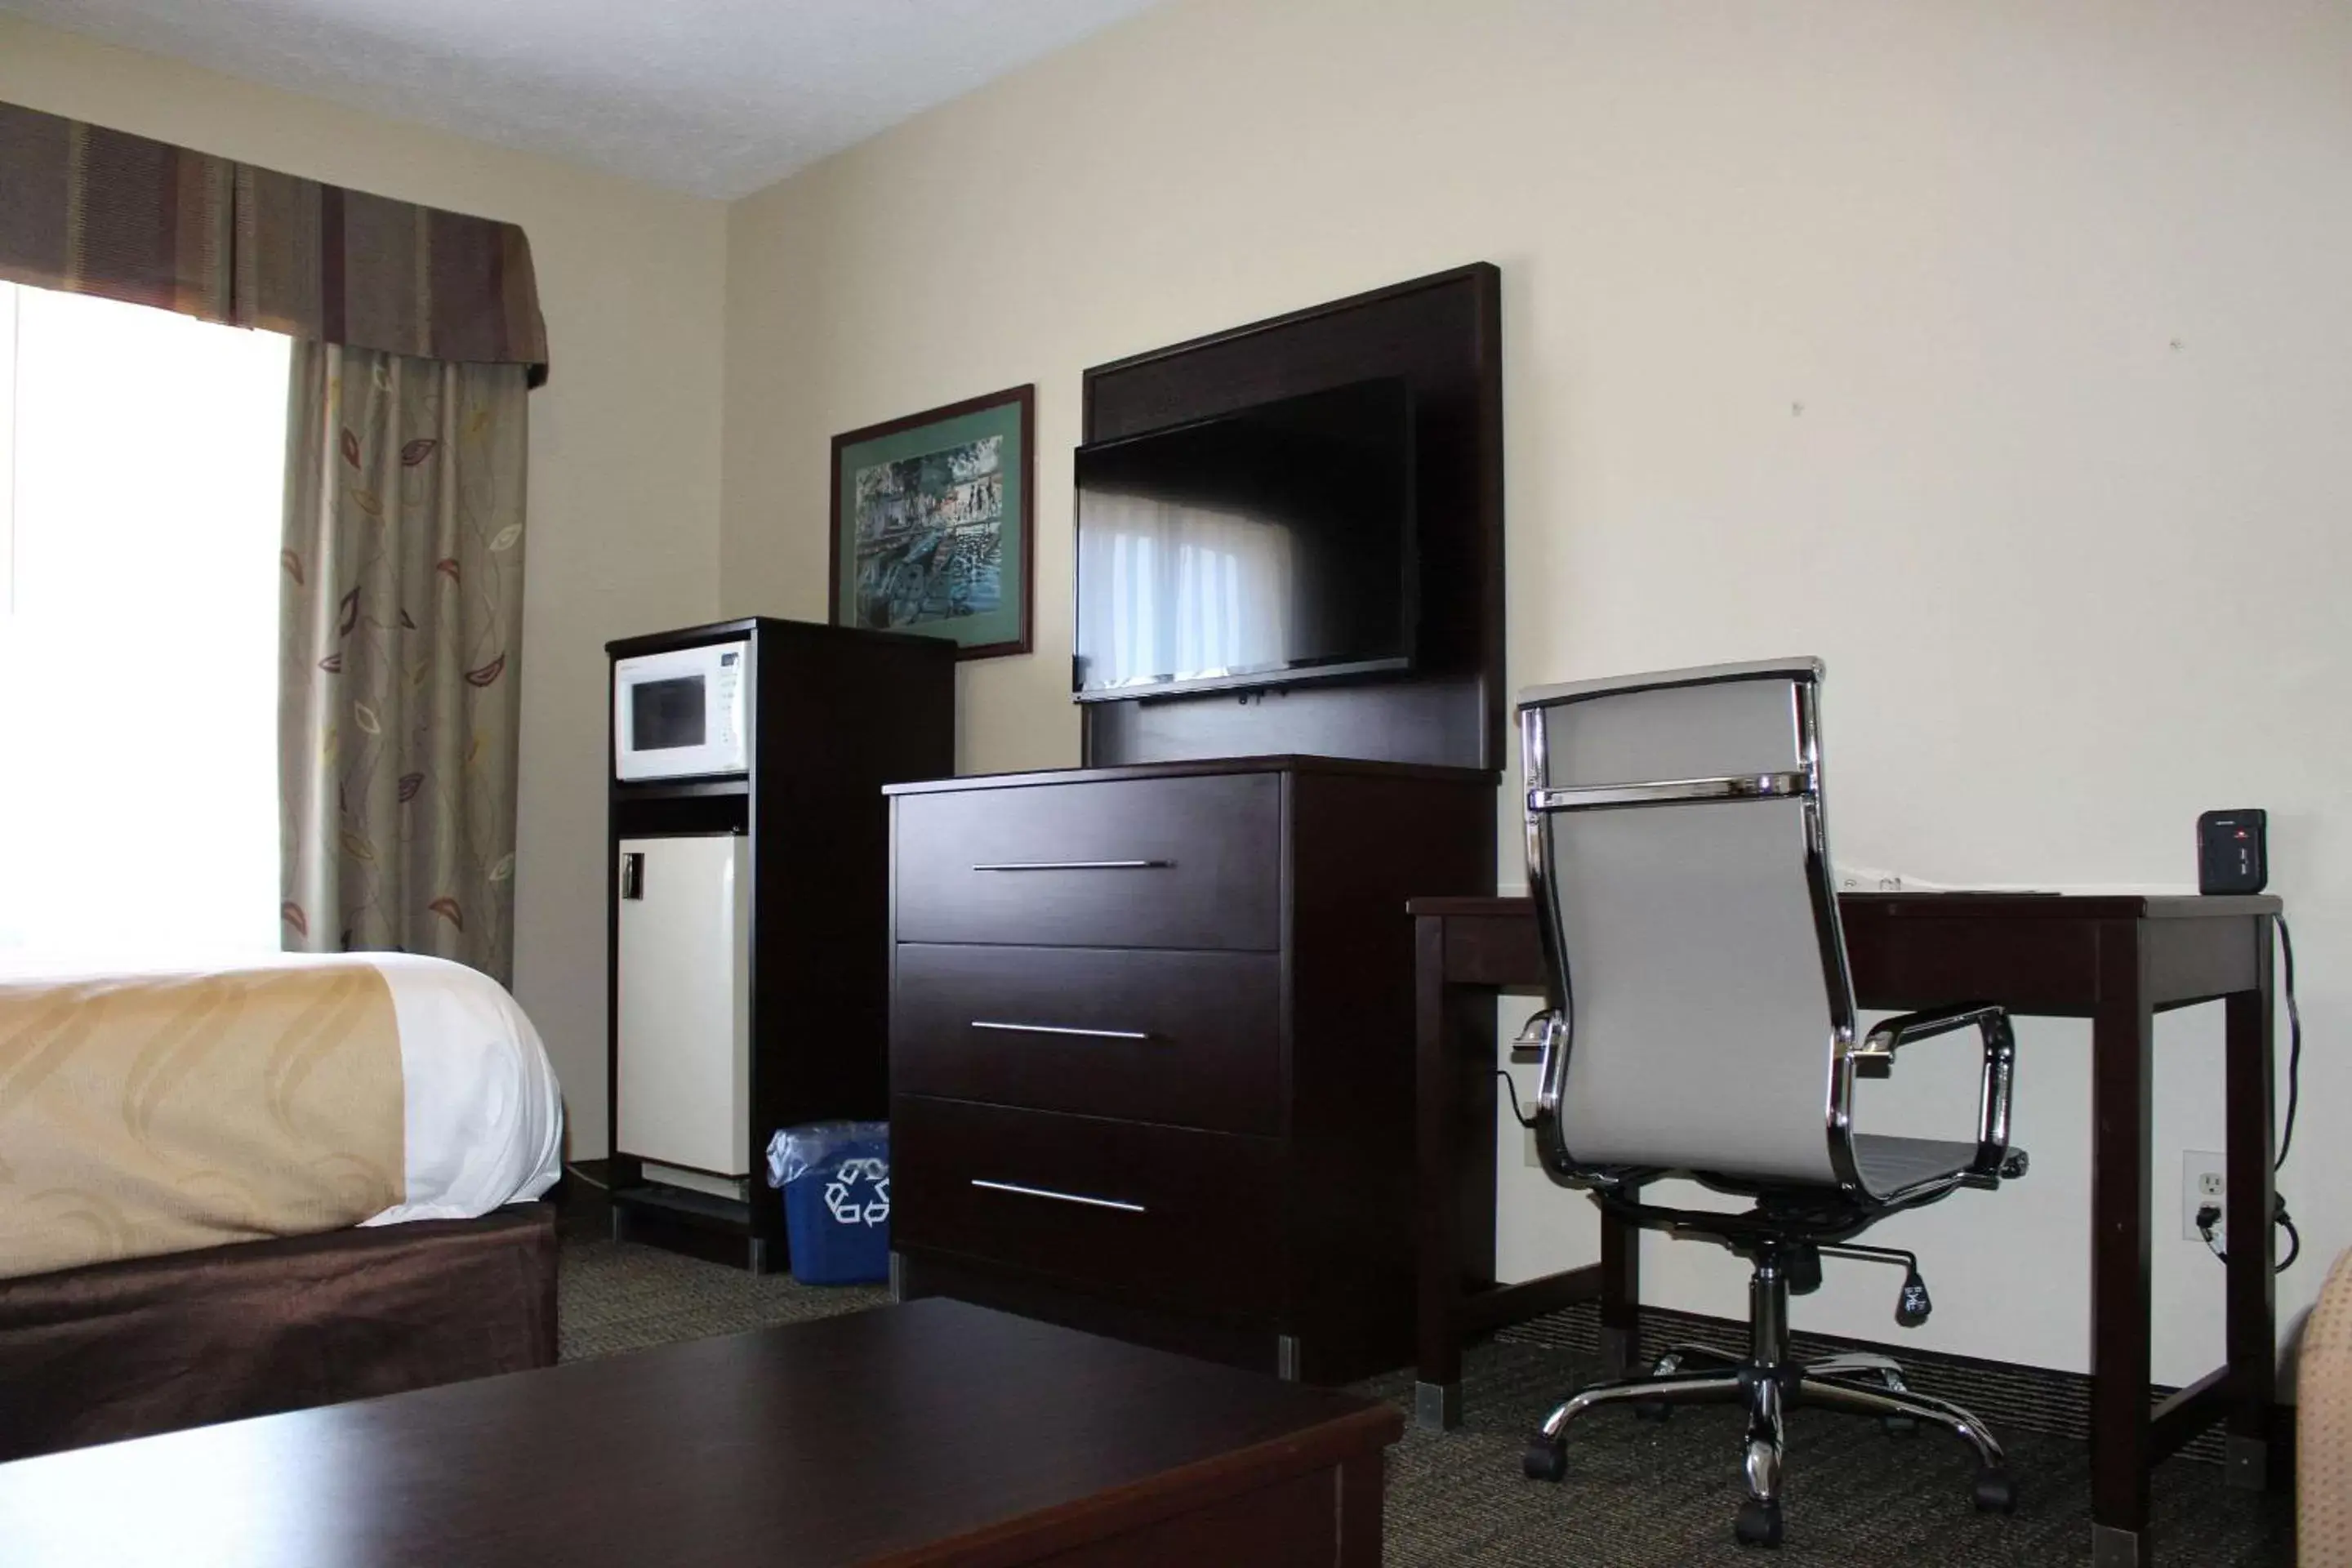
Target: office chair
(1702,1025)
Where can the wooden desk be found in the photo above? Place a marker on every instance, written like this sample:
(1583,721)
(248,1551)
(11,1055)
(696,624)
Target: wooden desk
(2116,960)
(934,1432)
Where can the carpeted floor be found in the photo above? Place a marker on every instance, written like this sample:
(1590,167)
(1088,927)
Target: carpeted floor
(617,1296)
(1638,1495)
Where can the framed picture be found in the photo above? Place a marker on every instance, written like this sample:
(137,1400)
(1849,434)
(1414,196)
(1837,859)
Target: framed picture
(931,524)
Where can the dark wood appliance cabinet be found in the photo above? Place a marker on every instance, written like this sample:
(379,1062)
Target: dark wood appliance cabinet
(838,712)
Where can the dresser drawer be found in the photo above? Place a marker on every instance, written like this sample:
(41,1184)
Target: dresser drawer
(1143,1035)
(1177,862)
(1187,1220)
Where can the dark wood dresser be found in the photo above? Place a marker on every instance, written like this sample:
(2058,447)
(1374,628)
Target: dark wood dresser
(1152,1039)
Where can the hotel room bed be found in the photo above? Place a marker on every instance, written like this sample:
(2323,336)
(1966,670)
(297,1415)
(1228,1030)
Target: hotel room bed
(237,1191)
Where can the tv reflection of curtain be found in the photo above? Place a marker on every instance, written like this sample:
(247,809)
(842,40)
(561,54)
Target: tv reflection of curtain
(1175,590)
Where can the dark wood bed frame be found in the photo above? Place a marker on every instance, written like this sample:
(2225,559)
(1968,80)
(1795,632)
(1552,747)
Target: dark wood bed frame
(152,1345)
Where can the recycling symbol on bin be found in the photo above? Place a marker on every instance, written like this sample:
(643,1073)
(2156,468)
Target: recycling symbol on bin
(859,1192)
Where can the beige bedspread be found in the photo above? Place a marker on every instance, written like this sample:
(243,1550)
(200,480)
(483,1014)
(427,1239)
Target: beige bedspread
(147,1114)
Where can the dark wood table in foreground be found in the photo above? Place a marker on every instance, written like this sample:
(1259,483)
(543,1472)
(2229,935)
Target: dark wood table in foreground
(2117,960)
(934,1432)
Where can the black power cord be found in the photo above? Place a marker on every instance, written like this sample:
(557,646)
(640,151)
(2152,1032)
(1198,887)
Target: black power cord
(1512,1090)
(2279,1217)
(2294,1043)
(2209,1215)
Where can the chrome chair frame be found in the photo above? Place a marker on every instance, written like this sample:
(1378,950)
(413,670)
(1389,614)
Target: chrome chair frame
(1791,1225)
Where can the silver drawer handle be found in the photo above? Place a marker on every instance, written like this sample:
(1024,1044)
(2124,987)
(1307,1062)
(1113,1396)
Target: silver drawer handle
(1058,1197)
(1060,1029)
(1074,866)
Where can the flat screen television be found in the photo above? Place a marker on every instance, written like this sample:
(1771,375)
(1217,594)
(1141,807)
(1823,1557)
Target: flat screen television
(1263,547)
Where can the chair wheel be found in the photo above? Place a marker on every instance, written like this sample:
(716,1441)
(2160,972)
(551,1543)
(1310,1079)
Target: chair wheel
(1899,1425)
(1996,1493)
(1653,1410)
(1758,1523)
(1544,1460)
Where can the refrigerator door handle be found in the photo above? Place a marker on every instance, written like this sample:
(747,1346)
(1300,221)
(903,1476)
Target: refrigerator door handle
(632,875)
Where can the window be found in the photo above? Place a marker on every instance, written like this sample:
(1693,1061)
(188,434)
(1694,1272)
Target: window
(142,477)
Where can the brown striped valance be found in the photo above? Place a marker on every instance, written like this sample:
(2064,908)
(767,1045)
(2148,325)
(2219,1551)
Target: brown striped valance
(94,211)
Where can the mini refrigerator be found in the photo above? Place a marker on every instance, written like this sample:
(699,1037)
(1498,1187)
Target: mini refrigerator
(683,1035)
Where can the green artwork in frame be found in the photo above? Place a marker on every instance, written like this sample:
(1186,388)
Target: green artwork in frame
(931,524)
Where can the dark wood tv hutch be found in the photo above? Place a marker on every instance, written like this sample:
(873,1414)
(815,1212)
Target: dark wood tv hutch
(1151,1024)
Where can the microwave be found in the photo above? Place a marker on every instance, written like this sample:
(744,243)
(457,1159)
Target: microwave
(683,714)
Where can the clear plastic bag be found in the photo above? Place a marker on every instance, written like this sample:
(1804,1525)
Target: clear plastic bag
(813,1150)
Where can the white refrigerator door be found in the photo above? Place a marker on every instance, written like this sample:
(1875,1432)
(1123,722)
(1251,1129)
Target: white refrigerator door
(684,968)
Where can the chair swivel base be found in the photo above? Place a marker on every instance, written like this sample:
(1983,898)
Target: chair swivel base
(1859,1384)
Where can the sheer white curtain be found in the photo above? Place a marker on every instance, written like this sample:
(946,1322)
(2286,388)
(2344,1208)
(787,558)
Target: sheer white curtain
(141,473)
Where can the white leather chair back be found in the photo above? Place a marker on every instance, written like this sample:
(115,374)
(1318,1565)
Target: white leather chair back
(1677,856)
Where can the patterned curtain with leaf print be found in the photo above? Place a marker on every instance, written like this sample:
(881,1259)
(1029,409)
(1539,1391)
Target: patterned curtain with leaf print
(401,619)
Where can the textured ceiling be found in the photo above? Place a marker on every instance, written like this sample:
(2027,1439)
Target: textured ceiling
(717,97)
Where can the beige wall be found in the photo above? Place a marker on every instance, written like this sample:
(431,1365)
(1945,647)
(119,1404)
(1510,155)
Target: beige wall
(2000,353)
(624,445)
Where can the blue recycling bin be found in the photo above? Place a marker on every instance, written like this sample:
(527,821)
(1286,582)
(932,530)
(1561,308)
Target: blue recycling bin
(835,1179)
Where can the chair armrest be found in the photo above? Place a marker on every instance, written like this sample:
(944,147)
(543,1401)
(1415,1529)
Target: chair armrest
(1536,1036)
(1876,1058)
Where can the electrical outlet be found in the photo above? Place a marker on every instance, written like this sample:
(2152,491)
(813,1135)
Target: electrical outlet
(2202,1182)
(1527,1141)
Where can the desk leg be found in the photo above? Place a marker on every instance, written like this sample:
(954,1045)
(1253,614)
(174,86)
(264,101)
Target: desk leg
(2123,1036)
(1437,1388)
(1621,1298)
(2254,1241)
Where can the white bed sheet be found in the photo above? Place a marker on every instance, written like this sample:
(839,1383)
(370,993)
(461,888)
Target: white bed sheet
(484,1118)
